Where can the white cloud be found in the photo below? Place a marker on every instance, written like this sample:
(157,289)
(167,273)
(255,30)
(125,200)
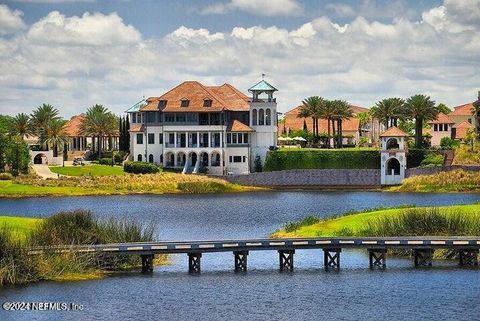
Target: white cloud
(257,7)
(454,16)
(10,21)
(75,62)
(342,10)
(91,29)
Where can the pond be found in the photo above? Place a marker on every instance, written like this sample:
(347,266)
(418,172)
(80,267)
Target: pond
(263,293)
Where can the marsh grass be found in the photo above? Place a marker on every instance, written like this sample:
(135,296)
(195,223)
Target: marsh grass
(424,221)
(69,229)
(451,181)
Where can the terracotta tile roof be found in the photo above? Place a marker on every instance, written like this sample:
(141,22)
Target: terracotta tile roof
(358,109)
(442,119)
(137,128)
(462,129)
(224,97)
(393,131)
(292,122)
(238,126)
(463,110)
(72,127)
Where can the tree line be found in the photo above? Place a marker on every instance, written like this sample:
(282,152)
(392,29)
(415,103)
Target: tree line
(415,111)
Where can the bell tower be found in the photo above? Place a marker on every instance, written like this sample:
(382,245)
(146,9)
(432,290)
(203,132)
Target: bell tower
(263,120)
(393,156)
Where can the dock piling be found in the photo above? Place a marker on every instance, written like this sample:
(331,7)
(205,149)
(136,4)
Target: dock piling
(194,262)
(468,257)
(240,258)
(286,259)
(331,258)
(377,258)
(423,257)
(147,263)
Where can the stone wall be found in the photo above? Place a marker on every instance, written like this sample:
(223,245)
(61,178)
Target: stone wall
(311,177)
(433,170)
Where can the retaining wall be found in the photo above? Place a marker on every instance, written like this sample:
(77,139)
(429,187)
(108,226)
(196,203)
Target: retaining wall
(432,170)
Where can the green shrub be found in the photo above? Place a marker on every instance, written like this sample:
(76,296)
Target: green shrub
(5,176)
(106,161)
(432,160)
(309,159)
(118,157)
(308,220)
(140,168)
(448,143)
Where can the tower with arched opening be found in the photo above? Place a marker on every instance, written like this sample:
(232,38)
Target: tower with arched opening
(393,156)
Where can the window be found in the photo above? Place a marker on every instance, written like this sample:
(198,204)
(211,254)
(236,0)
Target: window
(435,127)
(237,159)
(184,103)
(470,120)
(150,158)
(261,117)
(254,117)
(139,139)
(160,138)
(169,118)
(234,138)
(245,138)
(230,159)
(139,157)
(229,138)
(244,159)
(214,119)
(151,138)
(180,118)
(240,138)
(207,103)
(192,117)
(151,117)
(268,117)
(134,118)
(162,104)
(171,139)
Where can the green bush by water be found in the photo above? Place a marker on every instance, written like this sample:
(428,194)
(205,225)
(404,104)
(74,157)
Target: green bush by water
(140,168)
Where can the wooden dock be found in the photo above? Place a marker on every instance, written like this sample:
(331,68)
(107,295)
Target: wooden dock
(422,249)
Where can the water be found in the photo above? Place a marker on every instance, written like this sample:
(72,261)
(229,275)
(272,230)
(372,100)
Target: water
(401,292)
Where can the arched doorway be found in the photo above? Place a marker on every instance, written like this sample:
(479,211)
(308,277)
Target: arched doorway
(181,159)
(150,158)
(170,159)
(40,159)
(204,159)
(193,158)
(215,159)
(392,167)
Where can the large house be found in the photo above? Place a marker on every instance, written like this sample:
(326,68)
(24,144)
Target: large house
(454,125)
(194,127)
(351,128)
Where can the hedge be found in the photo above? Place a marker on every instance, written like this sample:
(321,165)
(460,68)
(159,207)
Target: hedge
(321,159)
(333,159)
(106,161)
(140,168)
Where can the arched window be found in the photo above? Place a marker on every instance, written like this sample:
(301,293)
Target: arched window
(181,158)
(392,143)
(150,158)
(139,157)
(268,117)
(261,117)
(254,117)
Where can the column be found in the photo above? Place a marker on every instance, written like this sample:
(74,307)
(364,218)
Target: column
(286,259)
(175,139)
(331,258)
(194,262)
(240,258)
(377,258)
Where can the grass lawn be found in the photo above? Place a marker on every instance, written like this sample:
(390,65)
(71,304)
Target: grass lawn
(88,170)
(354,223)
(20,226)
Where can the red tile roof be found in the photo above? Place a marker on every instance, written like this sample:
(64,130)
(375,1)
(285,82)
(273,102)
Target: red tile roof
(442,119)
(224,97)
(72,127)
(463,110)
(137,128)
(462,129)
(393,132)
(238,126)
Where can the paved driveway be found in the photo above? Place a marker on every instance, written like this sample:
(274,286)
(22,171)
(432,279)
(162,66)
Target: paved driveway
(44,172)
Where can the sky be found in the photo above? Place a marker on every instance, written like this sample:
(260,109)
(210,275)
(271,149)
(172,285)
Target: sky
(73,54)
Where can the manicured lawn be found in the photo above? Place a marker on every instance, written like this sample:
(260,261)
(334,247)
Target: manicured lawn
(88,170)
(356,222)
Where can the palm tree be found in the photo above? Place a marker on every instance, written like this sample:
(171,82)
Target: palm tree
(41,118)
(21,125)
(388,111)
(99,123)
(311,108)
(342,111)
(476,111)
(328,112)
(420,108)
(55,135)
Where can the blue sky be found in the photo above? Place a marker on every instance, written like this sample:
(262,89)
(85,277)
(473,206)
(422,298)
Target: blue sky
(74,54)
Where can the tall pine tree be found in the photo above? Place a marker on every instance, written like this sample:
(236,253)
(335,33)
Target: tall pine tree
(127,134)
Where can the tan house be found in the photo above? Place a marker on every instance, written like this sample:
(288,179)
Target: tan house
(440,128)
(351,127)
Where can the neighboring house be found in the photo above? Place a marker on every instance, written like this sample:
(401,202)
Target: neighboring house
(462,129)
(464,113)
(80,143)
(351,127)
(76,141)
(194,126)
(440,128)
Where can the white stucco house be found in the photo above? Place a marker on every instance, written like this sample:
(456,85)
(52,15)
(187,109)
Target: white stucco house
(393,156)
(194,126)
